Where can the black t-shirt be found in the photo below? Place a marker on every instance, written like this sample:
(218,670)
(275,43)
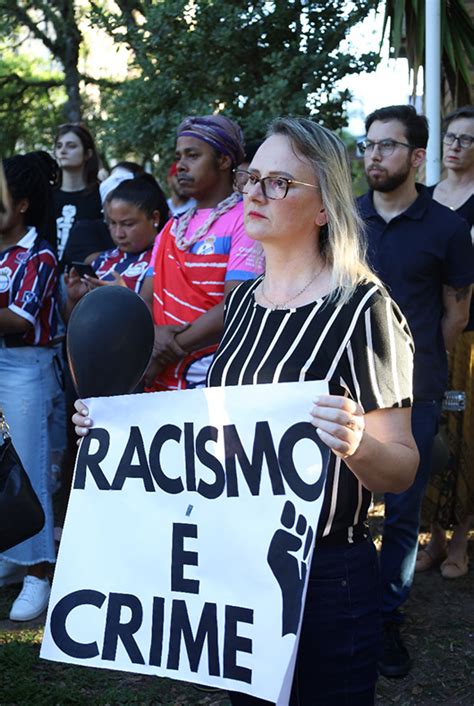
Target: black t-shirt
(363,348)
(74,206)
(87,237)
(466,211)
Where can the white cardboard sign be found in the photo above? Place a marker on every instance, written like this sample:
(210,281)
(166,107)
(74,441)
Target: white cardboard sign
(188,536)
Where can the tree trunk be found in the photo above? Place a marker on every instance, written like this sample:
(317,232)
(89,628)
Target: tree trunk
(72,107)
(69,50)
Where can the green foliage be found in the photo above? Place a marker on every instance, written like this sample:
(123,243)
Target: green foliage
(359,181)
(31,96)
(252,60)
(55,24)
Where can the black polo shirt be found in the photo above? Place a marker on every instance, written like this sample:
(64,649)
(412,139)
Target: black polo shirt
(415,254)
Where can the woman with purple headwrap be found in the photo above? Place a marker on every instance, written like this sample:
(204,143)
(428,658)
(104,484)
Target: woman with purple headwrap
(200,256)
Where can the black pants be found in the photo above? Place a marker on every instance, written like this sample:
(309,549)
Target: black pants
(340,636)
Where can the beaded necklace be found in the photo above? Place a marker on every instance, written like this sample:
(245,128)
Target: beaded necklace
(180,227)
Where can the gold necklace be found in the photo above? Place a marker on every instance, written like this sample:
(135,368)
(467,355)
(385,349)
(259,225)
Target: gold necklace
(284,305)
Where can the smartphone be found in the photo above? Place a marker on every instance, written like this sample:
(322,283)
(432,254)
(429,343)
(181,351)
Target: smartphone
(83,269)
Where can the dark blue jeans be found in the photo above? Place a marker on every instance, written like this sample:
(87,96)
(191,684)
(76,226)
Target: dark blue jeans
(340,637)
(402,517)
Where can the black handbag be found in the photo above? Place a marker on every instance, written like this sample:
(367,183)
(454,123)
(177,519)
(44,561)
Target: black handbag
(21,514)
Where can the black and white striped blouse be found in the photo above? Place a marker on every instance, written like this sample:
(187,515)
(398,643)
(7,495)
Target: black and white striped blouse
(362,348)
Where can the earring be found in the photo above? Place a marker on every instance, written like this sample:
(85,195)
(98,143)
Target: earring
(156,225)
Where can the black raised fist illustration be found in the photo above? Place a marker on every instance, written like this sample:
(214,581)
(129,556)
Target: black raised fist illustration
(287,558)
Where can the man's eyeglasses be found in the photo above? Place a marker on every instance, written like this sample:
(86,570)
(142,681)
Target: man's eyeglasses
(386,147)
(273,187)
(464,141)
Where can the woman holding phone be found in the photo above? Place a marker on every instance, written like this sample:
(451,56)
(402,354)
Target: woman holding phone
(135,211)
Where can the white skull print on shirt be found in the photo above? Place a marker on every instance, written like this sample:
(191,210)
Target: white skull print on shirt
(64,224)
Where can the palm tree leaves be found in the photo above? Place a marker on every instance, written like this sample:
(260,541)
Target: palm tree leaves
(405,22)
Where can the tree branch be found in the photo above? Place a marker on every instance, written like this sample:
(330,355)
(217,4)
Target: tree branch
(102,82)
(21,16)
(30,83)
(55,83)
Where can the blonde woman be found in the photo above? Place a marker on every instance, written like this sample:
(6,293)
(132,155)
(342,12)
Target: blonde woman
(318,312)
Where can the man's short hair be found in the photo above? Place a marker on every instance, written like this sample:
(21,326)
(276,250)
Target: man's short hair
(416,126)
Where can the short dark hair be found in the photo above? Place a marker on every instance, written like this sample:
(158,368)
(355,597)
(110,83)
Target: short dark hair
(145,193)
(466,111)
(416,125)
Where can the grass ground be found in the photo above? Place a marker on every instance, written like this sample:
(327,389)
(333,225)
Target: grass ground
(439,633)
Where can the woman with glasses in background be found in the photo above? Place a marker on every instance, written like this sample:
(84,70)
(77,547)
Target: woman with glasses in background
(456,190)
(450,496)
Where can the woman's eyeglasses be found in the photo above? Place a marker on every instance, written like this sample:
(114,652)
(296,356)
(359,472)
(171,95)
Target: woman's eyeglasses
(273,187)
(464,141)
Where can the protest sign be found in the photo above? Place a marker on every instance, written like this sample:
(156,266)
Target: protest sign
(188,537)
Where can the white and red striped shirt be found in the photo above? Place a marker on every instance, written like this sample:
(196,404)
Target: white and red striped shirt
(187,283)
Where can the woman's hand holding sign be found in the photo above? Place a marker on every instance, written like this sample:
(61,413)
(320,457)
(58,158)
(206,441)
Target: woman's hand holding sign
(81,420)
(338,420)
(340,423)
(360,438)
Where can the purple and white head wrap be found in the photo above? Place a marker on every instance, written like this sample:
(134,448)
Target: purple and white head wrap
(218,131)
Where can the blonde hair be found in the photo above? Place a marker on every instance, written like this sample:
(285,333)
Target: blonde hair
(341,241)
